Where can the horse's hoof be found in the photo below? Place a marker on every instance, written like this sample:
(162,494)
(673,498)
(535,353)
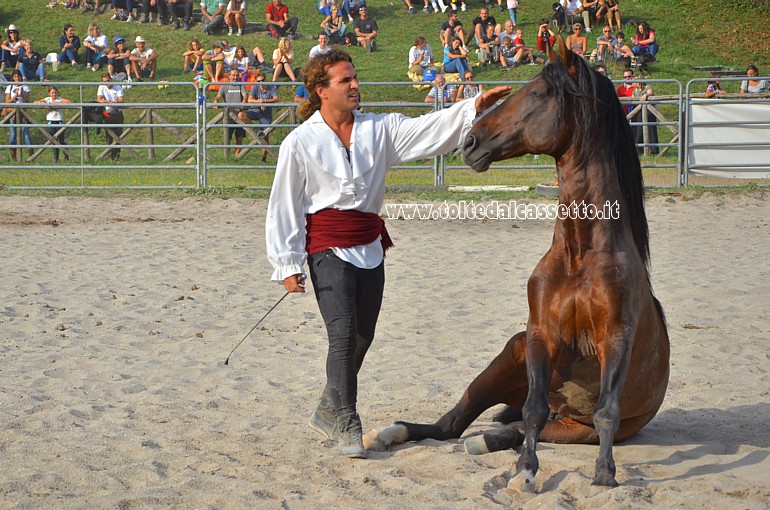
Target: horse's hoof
(604,481)
(378,440)
(476,445)
(524,481)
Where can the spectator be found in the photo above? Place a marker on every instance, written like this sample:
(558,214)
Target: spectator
(489,46)
(17,93)
(193,57)
(576,41)
(212,15)
(160,7)
(96,47)
(601,69)
(261,94)
(605,45)
(240,60)
(214,63)
(283,58)
(645,41)
(55,119)
(127,15)
(183,9)
(590,9)
(509,30)
(456,57)
(334,26)
(325,7)
(11,49)
(480,24)
(366,30)
(642,92)
(232,94)
(463,7)
(545,37)
(452,27)
(228,52)
(449,91)
(119,61)
(626,89)
(524,52)
(111,95)
(257,59)
(69,45)
(508,54)
(714,88)
(610,10)
(752,85)
(573,9)
(301,93)
(622,51)
(350,8)
(469,90)
(278,21)
(322,46)
(143,60)
(420,59)
(31,64)
(513,9)
(235,16)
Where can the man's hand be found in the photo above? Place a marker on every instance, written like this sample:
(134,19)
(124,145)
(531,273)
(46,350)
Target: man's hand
(488,98)
(295,283)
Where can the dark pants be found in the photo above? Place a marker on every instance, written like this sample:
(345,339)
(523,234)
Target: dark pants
(349,299)
(56,126)
(290,29)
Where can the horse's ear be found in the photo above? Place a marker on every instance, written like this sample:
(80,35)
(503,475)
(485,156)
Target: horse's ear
(551,54)
(566,56)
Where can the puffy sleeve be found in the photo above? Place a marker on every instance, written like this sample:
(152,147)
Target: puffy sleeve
(431,134)
(285,224)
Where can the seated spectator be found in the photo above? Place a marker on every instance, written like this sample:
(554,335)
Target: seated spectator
(605,45)
(193,57)
(119,60)
(240,60)
(261,94)
(610,10)
(469,90)
(622,51)
(212,15)
(214,63)
(126,15)
(31,64)
(545,37)
(626,89)
(590,9)
(143,60)
(456,57)
(480,24)
(509,30)
(574,10)
(111,95)
(69,45)
(452,27)
(508,54)
(366,30)
(752,85)
(55,119)
(159,6)
(17,92)
(524,53)
(301,93)
(334,26)
(96,47)
(283,58)
(489,46)
(11,48)
(322,47)
(180,9)
(449,91)
(228,52)
(232,94)
(235,16)
(714,88)
(645,41)
(576,41)
(420,59)
(257,59)
(325,7)
(601,69)
(350,8)
(279,24)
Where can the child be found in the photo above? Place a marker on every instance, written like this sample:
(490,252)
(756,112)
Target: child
(714,88)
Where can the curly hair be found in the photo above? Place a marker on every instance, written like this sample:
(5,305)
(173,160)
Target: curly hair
(314,74)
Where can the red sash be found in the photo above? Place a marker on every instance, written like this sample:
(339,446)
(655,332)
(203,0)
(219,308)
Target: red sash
(335,228)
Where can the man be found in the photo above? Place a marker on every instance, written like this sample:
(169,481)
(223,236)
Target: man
(159,6)
(481,22)
(278,21)
(489,46)
(324,208)
(111,95)
(232,93)
(322,46)
(366,30)
(449,92)
(143,60)
(452,27)
(212,15)
(605,45)
(508,31)
(262,94)
(214,63)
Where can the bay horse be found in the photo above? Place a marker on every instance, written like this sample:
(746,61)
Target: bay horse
(595,354)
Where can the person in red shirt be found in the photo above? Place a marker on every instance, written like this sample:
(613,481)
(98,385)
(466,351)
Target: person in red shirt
(278,21)
(626,89)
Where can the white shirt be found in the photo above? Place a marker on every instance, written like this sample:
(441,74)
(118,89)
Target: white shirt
(425,54)
(316,50)
(17,89)
(54,114)
(230,6)
(100,41)
(314,173)
(110,94)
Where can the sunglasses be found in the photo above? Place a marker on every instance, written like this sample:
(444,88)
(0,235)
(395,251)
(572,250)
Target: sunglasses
(627,76)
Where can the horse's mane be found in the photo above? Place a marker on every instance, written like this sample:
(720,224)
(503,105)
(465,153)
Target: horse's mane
(604,134)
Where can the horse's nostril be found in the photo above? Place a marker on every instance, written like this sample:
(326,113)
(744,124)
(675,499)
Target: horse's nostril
(469,144)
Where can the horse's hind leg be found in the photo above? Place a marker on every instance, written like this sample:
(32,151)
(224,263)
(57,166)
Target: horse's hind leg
(503,381)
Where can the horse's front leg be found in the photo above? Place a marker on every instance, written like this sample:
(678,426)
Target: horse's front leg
(535,410)
(614,356)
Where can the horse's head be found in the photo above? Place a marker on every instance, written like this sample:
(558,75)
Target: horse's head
(531,121)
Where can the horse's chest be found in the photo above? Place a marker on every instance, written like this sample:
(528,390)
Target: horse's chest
(575,384)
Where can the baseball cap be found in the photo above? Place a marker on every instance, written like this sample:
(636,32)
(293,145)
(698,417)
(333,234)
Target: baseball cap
(139,38)
(118,39)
